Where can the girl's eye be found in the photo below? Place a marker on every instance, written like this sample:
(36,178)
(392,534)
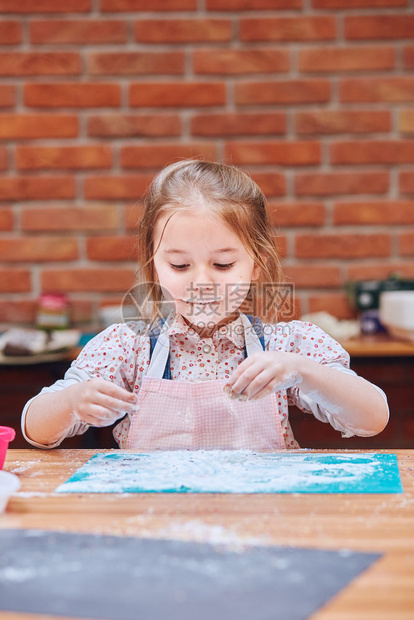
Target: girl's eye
(218,265)
(178,267)
(227,266)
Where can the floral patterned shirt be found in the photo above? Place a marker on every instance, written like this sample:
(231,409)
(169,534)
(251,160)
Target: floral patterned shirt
(120,354)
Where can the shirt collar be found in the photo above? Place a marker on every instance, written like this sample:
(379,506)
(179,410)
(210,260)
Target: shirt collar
(234,331)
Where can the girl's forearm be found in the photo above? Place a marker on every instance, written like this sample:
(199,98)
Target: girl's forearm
(351,400)
(49,416)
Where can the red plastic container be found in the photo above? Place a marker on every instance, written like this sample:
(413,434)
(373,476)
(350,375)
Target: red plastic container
(7,434)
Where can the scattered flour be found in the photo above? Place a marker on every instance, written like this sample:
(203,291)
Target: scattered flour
(235,471)
(198,531)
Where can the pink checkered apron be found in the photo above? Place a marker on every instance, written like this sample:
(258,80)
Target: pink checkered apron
(199,415)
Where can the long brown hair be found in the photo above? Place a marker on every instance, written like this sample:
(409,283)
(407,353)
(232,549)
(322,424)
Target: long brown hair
(225,191)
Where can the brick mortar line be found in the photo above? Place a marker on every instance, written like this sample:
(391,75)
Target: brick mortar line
(290,125)
(132,45)
(185,134)
(329,213)
(82,250)
(17,216)
(116,158)
(394,192)
(325,230)
(121,212)
(188,65)
(306,11)
(25,23)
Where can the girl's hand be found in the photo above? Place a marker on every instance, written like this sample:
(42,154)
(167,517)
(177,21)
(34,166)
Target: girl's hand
(100,403)
(262,373)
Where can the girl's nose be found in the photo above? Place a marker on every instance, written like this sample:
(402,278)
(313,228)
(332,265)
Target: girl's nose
(203,279)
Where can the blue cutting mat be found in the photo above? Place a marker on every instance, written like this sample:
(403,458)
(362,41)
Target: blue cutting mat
(236,471)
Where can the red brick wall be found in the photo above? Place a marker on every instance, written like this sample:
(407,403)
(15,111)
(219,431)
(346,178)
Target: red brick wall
(313,97)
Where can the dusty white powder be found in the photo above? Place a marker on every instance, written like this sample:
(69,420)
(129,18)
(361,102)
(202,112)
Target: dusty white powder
(193,530)
(224,471)
(293,379)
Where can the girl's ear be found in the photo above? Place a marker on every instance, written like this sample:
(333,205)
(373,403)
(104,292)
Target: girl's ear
(256,272)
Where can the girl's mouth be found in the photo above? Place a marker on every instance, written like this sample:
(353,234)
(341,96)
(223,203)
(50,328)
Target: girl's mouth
(201,303)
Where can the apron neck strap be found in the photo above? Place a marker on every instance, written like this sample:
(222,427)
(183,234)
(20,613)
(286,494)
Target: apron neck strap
(253,334)
(160,344)
(160,349)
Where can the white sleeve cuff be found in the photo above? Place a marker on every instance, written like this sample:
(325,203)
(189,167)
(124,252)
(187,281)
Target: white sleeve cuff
(72,376)
(322,414)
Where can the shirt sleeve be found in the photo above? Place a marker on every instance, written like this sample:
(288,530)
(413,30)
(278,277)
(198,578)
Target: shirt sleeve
(118,354)
(311,341)
(72,376)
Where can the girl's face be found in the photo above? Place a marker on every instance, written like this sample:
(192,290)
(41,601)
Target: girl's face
(203,267)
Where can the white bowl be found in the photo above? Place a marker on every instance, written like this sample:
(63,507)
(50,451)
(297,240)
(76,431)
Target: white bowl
(9,484)
(396,312)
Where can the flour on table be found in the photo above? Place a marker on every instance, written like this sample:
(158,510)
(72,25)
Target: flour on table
(236,471)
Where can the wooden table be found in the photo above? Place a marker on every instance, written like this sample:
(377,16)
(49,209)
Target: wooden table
(378,345)
(378,523)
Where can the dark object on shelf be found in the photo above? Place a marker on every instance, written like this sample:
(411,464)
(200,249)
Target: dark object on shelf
(364,295)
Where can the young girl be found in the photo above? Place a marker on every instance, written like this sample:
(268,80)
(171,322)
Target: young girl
(214,378)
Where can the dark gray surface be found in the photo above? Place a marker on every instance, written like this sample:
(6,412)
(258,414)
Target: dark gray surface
(110,577)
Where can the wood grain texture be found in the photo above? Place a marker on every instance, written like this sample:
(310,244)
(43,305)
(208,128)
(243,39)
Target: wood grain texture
(378,345)
(379,523)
